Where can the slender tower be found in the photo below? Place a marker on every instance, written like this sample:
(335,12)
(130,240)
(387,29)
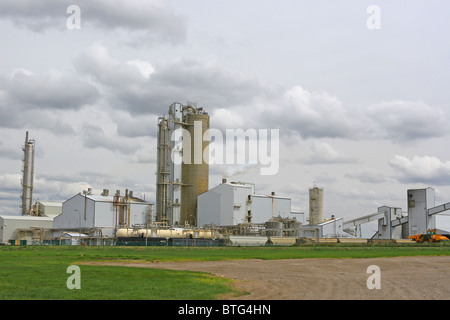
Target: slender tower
(315,205)
(182,172)
(28,174)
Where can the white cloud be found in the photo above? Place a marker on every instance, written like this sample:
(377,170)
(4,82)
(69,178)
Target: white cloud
(422,169)
(310,114)
(223,118)
(144,67)
(324,153)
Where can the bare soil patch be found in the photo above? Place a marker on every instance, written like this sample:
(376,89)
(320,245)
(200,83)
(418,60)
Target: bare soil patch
(402,278)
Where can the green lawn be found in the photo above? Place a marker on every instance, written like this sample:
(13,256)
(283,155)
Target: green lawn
(39,272)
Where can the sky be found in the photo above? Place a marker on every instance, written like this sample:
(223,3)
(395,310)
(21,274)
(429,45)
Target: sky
(359,91)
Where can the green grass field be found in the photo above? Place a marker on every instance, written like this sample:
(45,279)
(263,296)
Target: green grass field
(40,272)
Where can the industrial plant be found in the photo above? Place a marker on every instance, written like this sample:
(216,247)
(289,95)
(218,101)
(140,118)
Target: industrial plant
(187,212)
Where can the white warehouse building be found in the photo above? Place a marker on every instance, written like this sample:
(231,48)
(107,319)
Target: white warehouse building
(21,227)
(234,203)
(88,213)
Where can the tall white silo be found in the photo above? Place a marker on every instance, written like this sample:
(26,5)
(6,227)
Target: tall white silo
(315,205)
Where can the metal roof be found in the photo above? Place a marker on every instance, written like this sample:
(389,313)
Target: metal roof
(13,217)
(109,198)
(75,234)
(50,203)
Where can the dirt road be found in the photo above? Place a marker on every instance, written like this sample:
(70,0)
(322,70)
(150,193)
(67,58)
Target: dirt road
(401,278)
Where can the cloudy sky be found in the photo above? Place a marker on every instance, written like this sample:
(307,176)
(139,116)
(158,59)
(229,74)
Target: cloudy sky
(360,96)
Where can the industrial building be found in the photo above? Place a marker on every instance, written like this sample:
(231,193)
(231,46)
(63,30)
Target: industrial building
(48,209)
(189,213)
(233,203)
(25,229)
(395,224)
(100,215)
(182,170)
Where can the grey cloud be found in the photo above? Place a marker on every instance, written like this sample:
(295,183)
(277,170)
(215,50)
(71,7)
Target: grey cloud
(182,79)
(95,137)
(138,126)
(35,100)
(366,176)
(406,121)
(50,92)
(237,100)
(207,82)
(35,16)
(22,117)
(9,153)
(149,21)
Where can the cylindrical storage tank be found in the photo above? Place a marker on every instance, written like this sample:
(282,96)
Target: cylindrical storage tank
(125,233)
(195,167)
(205,234)
(174,233)
(282,241)
(315,206)
(274,228)
(294,228)
(247,241)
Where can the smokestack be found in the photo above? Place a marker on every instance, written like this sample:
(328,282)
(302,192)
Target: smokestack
(28,174)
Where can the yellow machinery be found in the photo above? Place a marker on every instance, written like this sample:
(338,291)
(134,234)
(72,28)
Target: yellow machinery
(430,236)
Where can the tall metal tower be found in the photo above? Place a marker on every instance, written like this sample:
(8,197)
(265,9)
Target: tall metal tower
(182,172)
(28,175)
(315,205)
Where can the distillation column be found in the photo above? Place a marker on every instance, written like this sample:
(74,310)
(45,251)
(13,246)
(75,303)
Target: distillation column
(28,174)
(182,169)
